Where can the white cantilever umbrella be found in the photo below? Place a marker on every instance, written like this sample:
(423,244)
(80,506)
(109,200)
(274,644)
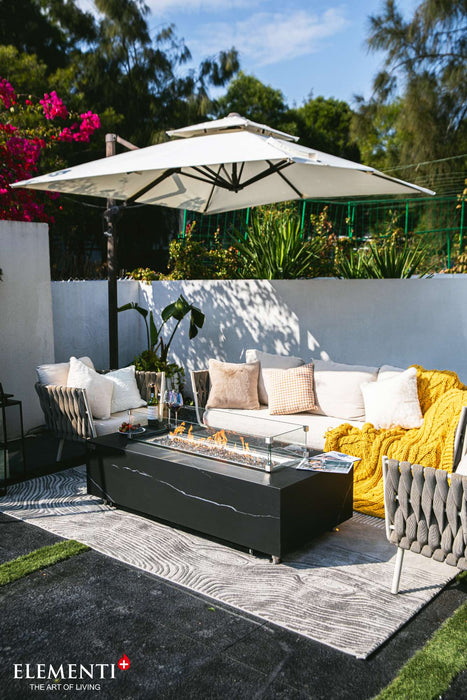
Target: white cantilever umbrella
(222,165)
(227,164)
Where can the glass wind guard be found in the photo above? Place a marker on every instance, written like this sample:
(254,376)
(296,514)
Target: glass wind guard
(261,444)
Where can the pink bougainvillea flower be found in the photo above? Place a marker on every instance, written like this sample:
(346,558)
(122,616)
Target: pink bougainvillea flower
(7,93)
(53,106)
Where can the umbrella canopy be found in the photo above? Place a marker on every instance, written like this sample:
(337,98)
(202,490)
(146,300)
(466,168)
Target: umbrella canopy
(223,165)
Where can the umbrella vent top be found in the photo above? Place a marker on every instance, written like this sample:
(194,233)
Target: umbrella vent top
(233,122)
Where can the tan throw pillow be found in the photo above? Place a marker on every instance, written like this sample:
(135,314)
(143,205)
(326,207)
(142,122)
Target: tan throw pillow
(290,390)
(233,385)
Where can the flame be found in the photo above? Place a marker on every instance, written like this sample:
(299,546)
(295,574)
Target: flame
(218,439)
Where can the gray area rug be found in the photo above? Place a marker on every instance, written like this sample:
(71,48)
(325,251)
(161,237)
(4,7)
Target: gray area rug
(336,591)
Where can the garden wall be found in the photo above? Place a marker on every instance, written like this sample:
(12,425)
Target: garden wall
(371,322)
(26,325)
(81,322)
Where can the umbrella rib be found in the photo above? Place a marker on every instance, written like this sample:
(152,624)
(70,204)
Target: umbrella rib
(269,171)
(300,194)
(208,201)
(153,183)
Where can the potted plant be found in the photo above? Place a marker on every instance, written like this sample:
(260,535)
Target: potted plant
(155,357)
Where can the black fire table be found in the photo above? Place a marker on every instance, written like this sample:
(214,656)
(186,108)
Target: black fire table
(272,513)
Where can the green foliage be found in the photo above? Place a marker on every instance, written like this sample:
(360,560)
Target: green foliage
(191,259)
(324,124)
(384,259)
(143,274)
(39,559)
(252,99)
(275,248)
(154,358)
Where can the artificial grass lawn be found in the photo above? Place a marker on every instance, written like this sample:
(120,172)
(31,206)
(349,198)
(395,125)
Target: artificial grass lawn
(39,559)
(430,671)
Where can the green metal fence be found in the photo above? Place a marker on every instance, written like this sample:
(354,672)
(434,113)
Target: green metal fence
(441,220)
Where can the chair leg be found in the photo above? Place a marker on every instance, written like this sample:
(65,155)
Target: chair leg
(60,449)
(397,571)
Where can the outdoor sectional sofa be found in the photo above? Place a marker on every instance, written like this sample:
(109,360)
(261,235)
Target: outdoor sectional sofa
(339,422)
(68,410)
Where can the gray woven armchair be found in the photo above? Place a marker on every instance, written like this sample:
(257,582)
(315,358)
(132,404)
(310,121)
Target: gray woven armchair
(426,512)
(67,413)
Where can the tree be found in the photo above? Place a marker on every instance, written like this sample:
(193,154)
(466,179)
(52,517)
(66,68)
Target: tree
(252,99)
(324,124)
(319,123)
(426,65)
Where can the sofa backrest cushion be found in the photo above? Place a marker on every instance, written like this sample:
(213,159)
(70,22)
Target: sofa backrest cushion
(126,394)
(99,389)
(337,388)
(269,361)
(57,374)
(233,385)
(388,372)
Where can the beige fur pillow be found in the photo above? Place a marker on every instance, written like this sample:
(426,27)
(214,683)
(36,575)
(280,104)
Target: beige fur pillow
(290,390)
(233,385)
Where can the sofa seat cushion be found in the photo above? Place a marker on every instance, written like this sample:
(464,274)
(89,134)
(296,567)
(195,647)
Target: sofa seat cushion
(112,424)
(260,423)
(337,389)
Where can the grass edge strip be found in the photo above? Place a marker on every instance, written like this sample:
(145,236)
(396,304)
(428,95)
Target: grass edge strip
(429,672)
(39,559)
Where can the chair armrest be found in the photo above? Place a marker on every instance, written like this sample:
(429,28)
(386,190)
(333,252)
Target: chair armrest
(460,439)
(200,385)
(66,411)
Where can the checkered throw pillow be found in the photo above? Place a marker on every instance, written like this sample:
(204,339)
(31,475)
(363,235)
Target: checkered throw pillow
(290,390)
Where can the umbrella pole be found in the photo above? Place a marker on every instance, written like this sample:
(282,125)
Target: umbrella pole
(112,266)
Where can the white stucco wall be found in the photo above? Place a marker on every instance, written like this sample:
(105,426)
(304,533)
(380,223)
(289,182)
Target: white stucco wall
(371,322)
(26,324)
(80,311)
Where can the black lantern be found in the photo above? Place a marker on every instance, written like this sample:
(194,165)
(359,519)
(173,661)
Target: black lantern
(12,457)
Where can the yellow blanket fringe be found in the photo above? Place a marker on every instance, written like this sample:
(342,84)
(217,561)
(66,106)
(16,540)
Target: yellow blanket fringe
(441,396)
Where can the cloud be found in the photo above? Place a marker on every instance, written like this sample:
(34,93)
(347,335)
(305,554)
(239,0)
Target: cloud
(267,38)
(159,6)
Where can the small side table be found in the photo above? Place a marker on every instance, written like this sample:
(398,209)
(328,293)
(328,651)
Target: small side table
(9,456)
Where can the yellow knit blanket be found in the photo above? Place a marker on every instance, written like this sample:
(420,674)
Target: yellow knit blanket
(441,396)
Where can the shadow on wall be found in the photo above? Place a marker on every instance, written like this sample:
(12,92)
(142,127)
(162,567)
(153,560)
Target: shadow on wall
(367,322)
(239,315)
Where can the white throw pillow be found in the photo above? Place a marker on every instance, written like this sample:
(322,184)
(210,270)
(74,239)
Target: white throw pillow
(57,374)
(393,403)
(337,388)
(126,393)
(269,361)
(462,467)
(99,389)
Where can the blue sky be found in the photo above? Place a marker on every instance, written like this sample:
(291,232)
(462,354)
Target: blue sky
(297,46)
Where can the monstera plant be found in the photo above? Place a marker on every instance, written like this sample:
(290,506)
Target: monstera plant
(155,357)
